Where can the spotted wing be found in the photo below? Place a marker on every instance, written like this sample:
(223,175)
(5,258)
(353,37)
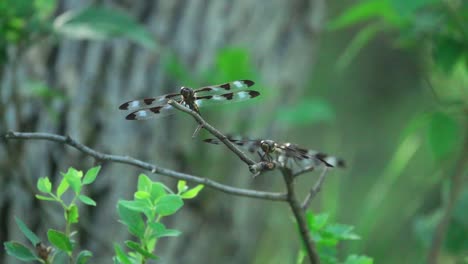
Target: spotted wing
(250,145)
(134,105)
(306,157)
(225,87)
(232,97)
(155,111)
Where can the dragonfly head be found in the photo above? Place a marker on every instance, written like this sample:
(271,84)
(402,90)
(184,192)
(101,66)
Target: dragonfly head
(268,146)
(186,92)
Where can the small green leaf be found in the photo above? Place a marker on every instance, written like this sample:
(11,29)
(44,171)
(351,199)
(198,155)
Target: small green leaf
(72,214)
(169,204)
(99,23)
(443,134)
(59,240)
(44,198)
(27,232)
(86,200)
(159,230)
(74,179)
(83,257)
(364,11)
(157,191)
(192,192)
(63,187)
(142,195)
(44,185)
(342,232)
(447,52)
(91,175)
(355,259)
(144,183)
(19,251)
(181,186)
(120,255)
(135,246)
(132,219)
(138,205)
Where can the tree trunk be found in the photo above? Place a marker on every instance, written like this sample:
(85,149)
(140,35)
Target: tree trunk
(281,38)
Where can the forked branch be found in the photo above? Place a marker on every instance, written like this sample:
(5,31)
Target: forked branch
(146,166)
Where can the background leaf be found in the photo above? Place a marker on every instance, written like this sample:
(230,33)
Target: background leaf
(100,23)
(19,251)
(443,134)
(27,232)
(59,240)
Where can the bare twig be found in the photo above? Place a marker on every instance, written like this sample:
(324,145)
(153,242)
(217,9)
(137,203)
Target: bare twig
(317,187)
(147,166)
(214,132)
(300,217)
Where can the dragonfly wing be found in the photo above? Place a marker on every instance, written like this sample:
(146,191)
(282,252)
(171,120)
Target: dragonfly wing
(225,87)
(232,97)
(148,102)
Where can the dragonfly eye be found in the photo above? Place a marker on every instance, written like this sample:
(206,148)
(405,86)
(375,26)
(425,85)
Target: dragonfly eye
(267,146)
(186,92)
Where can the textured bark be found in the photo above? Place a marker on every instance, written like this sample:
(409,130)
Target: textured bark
(96,77)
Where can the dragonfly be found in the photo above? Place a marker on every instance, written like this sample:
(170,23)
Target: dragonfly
(284,153)
(147,108)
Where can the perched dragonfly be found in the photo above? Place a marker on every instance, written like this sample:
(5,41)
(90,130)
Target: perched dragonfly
(284,153)
(192,98)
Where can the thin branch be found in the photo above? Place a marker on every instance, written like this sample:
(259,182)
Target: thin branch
(147,166)
(317,187)
(300,217)
(456,187)
(214,132)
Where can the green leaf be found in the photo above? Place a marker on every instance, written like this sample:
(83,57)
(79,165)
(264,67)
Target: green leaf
(83,257)
(407,8)
(59,240)
(86,200)
(19,251)
(192,193)
(447,52)
(158,230)
(72,214)
(355,259)
(100,23)
(135,246)
(234,63)
(73,177)
(307,111)
(120,255)
(132,220)
(91,175)
(342,232)
(44,8)
(157,191)
(62,188)
(443,134)
(144,183)
(44,185)
(27,232)
(138,205)
(44,198)
(169,204)
(181,186)
(364,11)
(357,43)
(142,195)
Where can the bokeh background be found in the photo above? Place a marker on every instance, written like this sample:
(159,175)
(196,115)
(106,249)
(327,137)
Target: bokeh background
(383,84)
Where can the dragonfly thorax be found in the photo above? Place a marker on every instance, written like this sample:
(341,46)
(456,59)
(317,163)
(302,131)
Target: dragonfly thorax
(187,93)
(268,146)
